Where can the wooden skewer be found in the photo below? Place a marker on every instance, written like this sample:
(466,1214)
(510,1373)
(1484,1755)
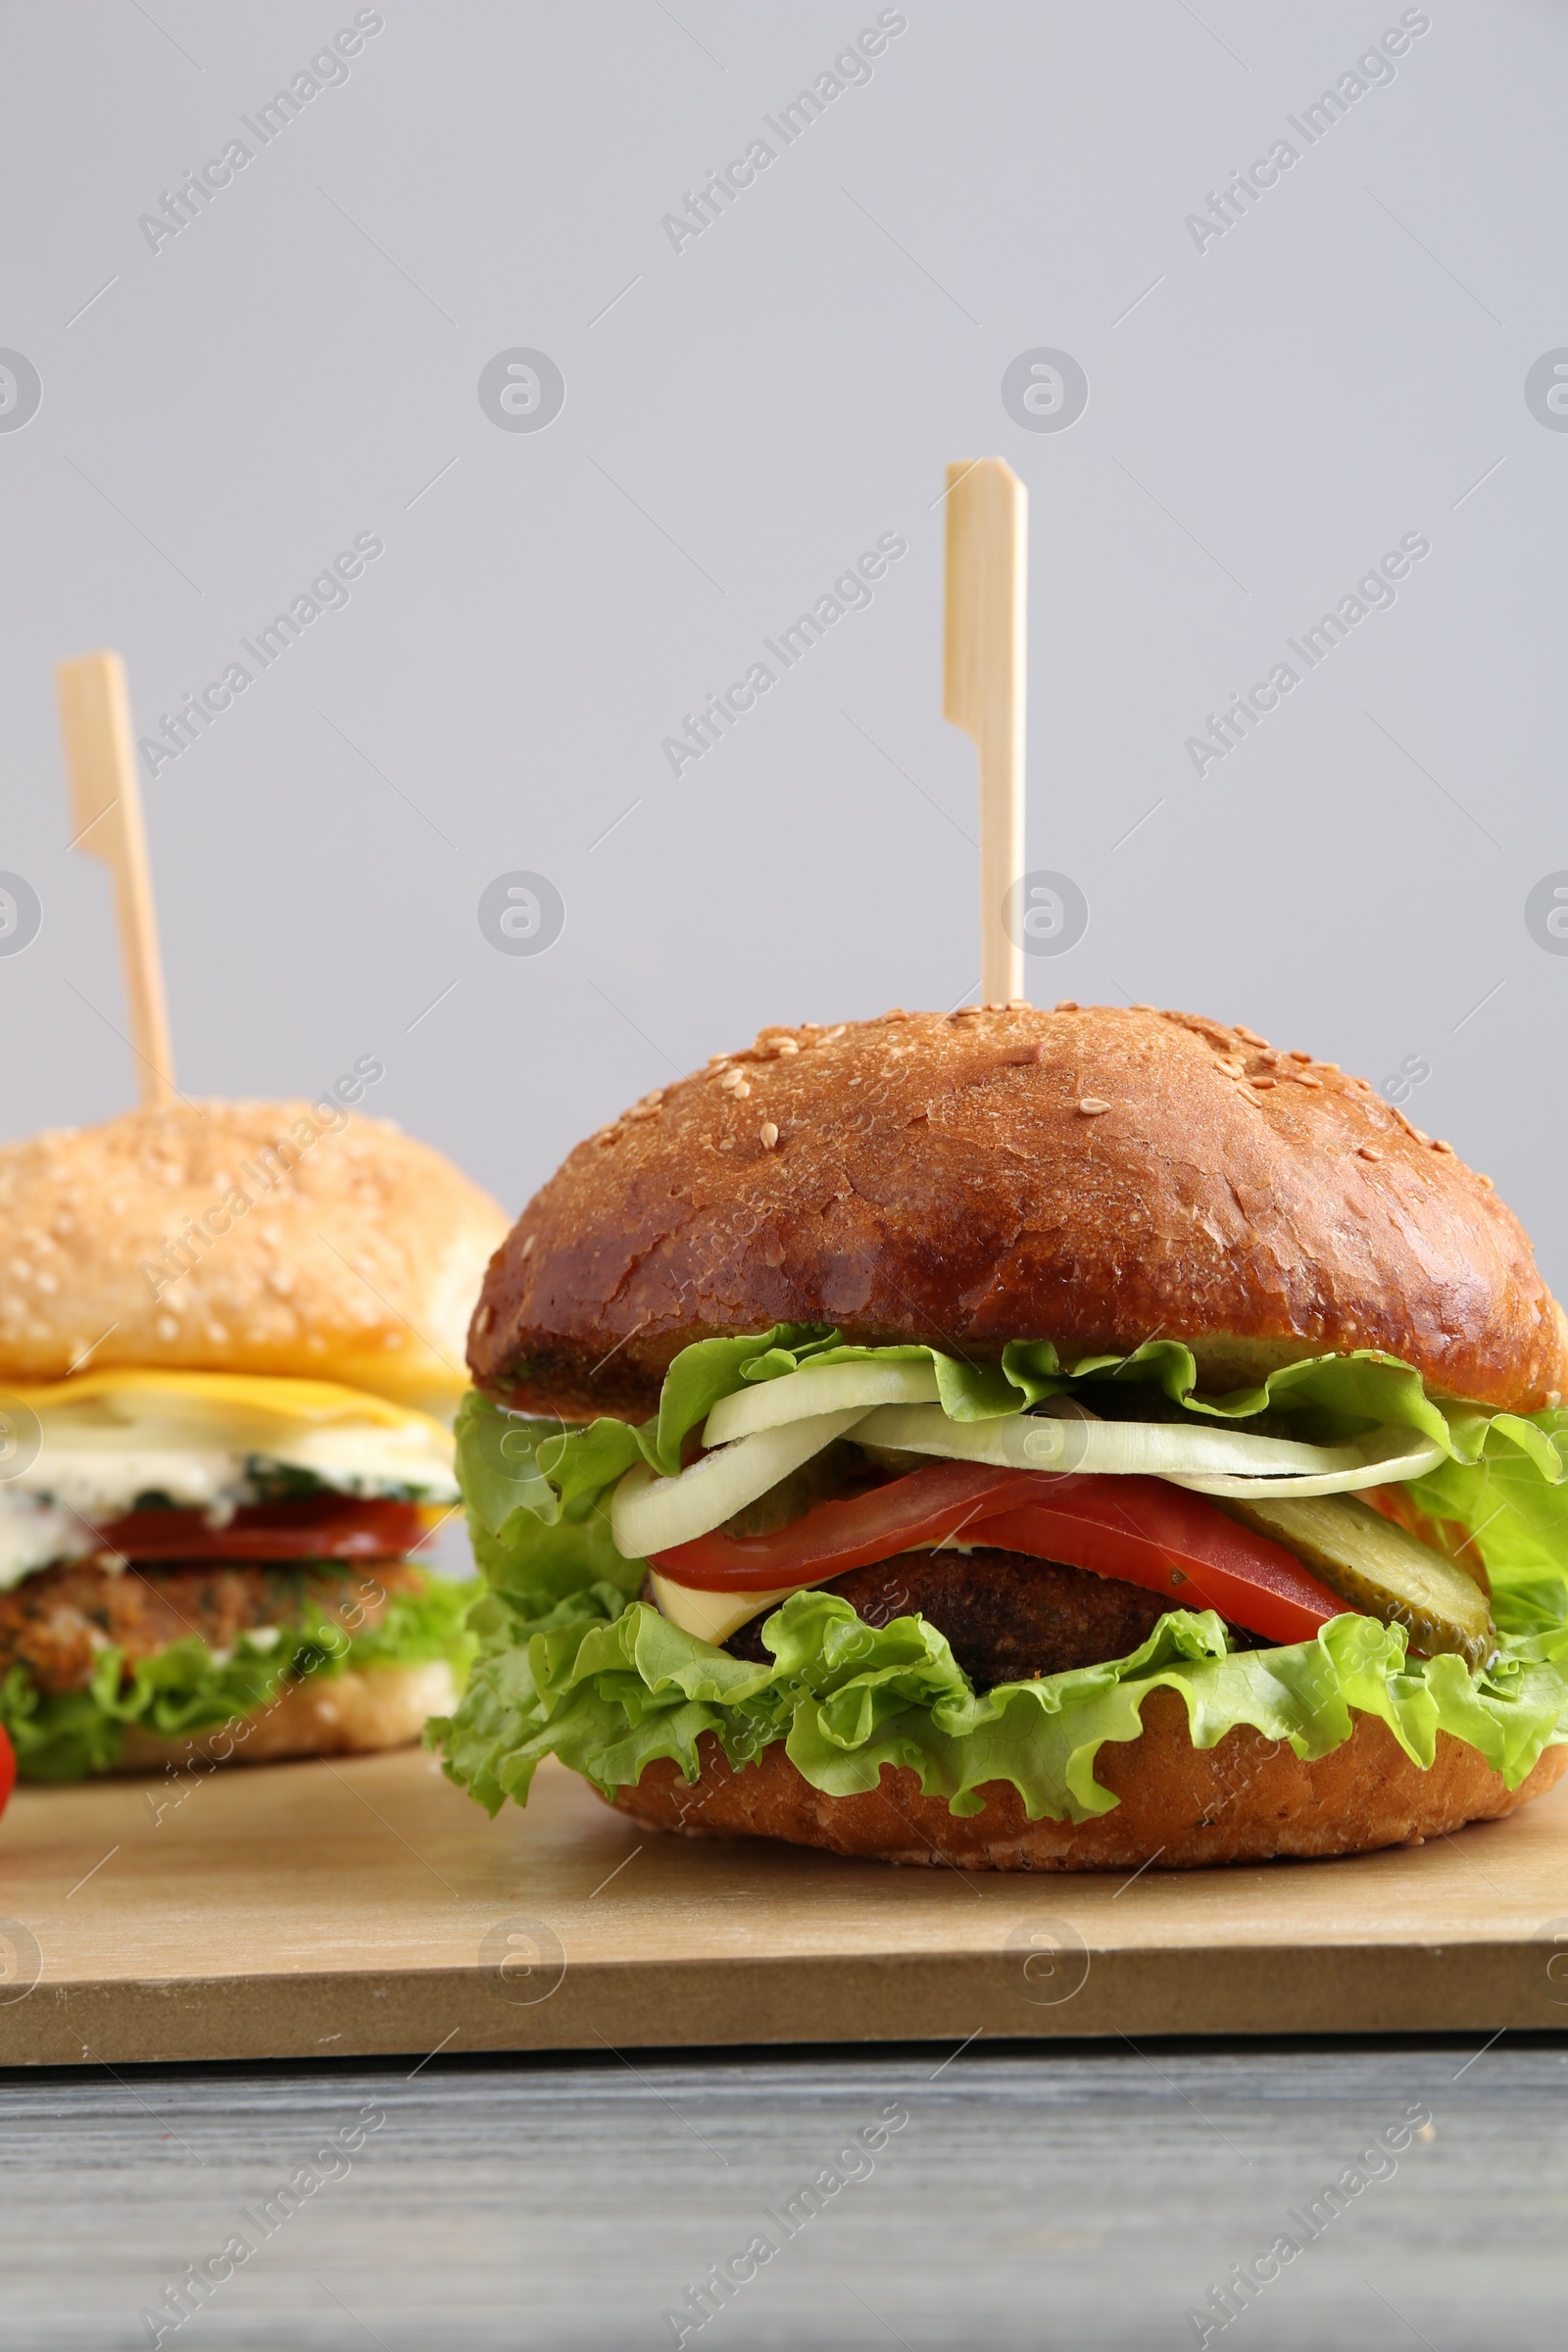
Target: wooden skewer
(983,685)
(107,822)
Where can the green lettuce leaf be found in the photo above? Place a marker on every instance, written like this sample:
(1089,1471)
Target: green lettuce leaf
(609,1696)
(511,1462)
(1519,1519)
(572,1665)
(70,1734)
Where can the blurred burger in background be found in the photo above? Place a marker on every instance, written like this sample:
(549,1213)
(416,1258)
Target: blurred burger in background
(231,1348)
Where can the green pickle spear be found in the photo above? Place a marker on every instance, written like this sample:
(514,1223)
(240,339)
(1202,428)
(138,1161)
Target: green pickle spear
(1376,1567)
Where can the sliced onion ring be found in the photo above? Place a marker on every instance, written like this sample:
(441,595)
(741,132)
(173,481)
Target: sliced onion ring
(1180,1451)
(649,1514)
(820,1389)
(1387,1457)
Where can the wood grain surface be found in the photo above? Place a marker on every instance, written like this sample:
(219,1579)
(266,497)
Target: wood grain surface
(366,1905)
(1061,2195)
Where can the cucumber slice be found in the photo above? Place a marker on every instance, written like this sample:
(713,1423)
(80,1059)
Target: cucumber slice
(1378,1569)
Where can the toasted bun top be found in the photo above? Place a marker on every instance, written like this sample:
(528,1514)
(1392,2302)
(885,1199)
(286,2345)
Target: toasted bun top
(1091,1176)
(241,1237)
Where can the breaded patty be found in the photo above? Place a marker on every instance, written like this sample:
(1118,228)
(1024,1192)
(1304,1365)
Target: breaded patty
(58,1622)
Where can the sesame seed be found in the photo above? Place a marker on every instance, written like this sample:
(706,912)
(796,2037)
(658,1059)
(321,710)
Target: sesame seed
(1067,1005)
(740,1091)
(1231,1068)
(999,1006)
(1302,1079)
(769,1134)
(787,1045)
(1250,1036)
(1296,1054)
(1448,1148)
(483,1319)
(1491,1188)
(1264,1083)
(965,1012)
(1090,1106)
(527,1247)
(1369,1152)
(1018,1004)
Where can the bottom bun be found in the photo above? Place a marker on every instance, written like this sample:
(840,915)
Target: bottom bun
(325,1715)
(1246,1800)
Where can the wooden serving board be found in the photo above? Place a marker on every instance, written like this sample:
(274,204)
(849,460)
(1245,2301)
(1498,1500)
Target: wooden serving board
(366,1905)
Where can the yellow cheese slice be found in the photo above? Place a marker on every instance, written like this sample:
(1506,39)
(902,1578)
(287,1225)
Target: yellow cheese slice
(234,1399)
(711,1616)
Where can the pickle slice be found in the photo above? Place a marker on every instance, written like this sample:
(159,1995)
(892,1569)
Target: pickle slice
(818,1480)
(1380,1569)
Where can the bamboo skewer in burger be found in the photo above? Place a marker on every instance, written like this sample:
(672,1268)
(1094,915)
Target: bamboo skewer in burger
(230,1340)
(1034,1440)
(984,660)
(106,813)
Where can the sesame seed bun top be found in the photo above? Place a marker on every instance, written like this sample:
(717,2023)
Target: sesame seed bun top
(1093,1176)
(283,1238)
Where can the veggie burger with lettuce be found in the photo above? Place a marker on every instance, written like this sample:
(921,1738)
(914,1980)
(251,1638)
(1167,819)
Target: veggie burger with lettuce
(1027,1439)
(229,1345)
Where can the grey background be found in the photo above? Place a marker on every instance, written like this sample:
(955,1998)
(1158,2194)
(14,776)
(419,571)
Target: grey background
(301,365)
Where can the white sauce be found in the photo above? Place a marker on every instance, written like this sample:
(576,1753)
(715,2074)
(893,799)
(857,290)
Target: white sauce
(85,1475)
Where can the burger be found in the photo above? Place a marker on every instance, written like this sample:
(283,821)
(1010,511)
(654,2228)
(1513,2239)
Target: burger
(231,1348)
(1023,1439)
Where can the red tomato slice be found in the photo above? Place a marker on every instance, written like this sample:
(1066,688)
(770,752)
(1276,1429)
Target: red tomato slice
(1173,1543)
(1140,1530)
(924,1507)
(8,1768)
(317,1527)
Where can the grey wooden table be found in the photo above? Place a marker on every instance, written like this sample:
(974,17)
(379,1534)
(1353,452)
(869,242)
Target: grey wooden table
(1074,2195)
